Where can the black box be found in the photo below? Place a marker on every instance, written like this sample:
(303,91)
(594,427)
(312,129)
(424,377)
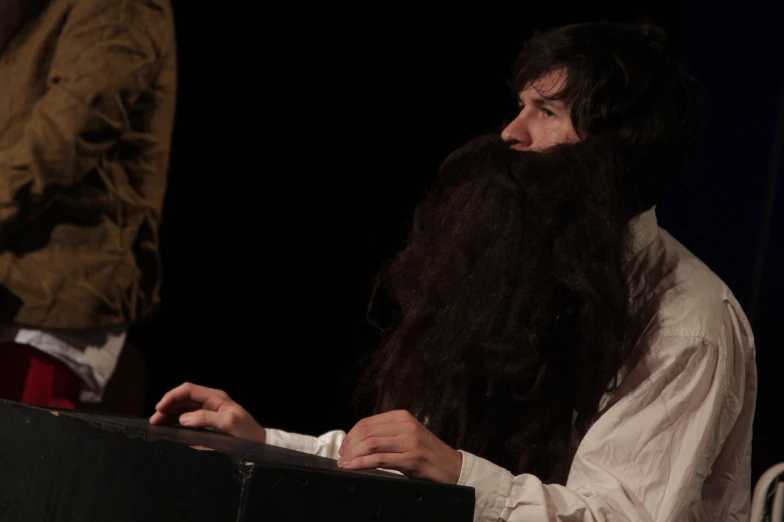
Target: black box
(66,466)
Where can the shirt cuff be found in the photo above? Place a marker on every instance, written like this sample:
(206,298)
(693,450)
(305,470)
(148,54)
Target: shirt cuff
(491,485)
(326,445)
(293,441)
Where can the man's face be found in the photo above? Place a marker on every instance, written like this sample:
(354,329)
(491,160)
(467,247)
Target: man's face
(541,123)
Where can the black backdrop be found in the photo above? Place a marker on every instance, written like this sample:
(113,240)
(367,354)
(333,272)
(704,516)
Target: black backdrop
(304,139)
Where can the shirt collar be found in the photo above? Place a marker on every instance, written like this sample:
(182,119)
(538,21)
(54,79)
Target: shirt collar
(644,229)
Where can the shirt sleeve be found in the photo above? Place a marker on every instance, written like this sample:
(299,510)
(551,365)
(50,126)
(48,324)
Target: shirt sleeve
(104,60)
(646,458)
(326,445)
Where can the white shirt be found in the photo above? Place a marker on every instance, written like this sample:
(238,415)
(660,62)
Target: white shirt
(674,441)
(92,354)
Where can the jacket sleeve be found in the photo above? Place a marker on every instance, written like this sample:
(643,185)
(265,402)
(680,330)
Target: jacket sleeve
(105,59)
(647,457)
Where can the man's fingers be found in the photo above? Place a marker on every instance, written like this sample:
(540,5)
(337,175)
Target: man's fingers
(382,425)
(223,421)
(185,398)
(204,397)
(170,414)
(395,461)
(384,418)
(360,433)
(372,445)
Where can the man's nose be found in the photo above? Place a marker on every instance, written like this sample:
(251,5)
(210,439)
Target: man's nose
(517,133)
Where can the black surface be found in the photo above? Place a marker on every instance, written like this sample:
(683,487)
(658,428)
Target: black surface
(73,466)
(240,449)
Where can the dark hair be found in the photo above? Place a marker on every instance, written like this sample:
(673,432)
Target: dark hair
(622,79)
(511,316)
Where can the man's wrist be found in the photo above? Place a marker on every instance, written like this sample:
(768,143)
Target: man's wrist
(459,466)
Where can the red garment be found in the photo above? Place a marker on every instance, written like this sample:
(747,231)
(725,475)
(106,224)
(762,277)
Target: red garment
(30,376)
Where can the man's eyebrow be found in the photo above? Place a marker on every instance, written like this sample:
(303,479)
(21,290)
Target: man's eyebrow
(542,102)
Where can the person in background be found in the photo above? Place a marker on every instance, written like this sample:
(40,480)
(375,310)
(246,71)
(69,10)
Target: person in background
(546,342)
(86,122)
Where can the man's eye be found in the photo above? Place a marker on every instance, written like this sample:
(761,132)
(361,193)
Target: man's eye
(548,113)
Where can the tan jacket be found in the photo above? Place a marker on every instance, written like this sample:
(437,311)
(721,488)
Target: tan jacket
(87,99)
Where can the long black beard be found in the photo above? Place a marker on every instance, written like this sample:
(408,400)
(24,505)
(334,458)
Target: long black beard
(510,308)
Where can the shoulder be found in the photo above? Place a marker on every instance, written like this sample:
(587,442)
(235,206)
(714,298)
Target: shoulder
(152,17)
(695,302)
(78,9)
(698,322)
(95,30)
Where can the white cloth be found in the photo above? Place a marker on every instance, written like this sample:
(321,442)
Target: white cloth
(91,354)
(674,441)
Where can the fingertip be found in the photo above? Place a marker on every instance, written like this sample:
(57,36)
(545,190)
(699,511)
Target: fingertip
(162,403)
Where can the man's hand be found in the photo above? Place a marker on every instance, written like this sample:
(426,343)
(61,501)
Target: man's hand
(198,406)
(396,440)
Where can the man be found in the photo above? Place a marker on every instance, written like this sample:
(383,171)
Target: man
(549,345)
(85,129)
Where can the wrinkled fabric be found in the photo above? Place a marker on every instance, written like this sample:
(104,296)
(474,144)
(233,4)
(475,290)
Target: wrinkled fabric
(86,120)
(674,440)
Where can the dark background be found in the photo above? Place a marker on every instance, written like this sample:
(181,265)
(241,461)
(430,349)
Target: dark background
(304,140)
